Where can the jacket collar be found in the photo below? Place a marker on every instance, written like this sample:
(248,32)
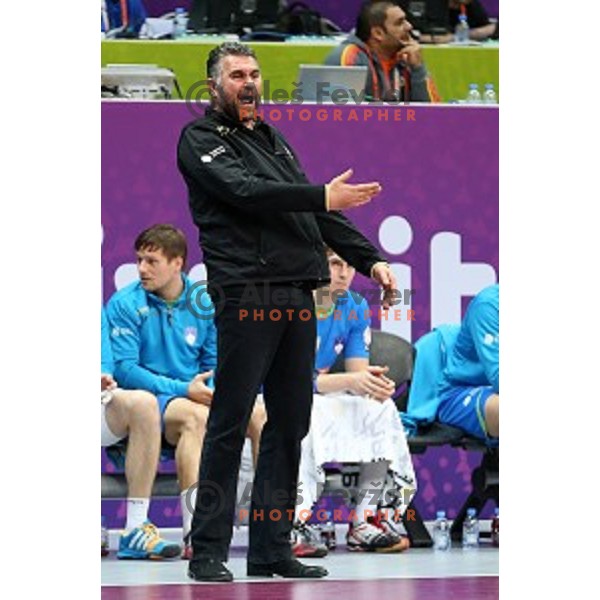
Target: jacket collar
(227,121)
(158,301)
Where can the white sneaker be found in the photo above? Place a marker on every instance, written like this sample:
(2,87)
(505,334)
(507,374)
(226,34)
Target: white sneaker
(400,542)
(306,542)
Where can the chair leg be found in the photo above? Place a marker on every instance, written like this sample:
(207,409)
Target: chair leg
(415,528)
(485,486)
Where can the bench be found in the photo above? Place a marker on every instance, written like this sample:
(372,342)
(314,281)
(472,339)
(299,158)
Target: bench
(395,352)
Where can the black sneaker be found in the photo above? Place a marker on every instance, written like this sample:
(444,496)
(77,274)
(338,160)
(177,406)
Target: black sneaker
(291,568)
(366,537)
(208,569)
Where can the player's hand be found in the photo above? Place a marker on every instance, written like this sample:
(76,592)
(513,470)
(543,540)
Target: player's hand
(384,276)
(372,383)
(198,391)
(343,195)
(107,382)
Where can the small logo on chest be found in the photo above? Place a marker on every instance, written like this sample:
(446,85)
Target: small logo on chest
(190,335)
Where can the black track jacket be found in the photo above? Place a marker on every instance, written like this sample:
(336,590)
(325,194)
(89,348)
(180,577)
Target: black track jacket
(260,219)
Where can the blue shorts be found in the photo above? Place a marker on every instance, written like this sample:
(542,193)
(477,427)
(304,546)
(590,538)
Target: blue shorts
(464,407)
(167,452)
(163,401)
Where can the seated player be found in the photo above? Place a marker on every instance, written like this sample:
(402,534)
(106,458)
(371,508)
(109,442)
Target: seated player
(469,390)
(133,414)
(164,341)
(353,420)
(456,376)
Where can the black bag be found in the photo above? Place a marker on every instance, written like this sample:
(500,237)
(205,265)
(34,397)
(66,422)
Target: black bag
(300,19)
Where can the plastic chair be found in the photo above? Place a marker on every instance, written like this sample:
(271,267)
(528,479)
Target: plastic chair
(395,352)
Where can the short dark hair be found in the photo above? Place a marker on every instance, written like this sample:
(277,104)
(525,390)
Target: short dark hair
(218,53)
(163,237)
(372,14)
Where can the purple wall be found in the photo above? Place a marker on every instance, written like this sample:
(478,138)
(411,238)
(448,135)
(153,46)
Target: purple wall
(492,7)
(341,13)
(156,8)
(437,217)
(344,13)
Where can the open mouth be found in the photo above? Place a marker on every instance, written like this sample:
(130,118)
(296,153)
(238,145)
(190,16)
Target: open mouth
(247,99)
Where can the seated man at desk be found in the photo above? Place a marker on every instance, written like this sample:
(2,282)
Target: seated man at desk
(383,43)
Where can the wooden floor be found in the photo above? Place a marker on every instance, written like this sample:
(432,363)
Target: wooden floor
(463,588)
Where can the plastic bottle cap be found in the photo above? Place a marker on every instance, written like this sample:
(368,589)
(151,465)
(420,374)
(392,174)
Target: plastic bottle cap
(471,512)
(489,86)
(441,514)
(472,86)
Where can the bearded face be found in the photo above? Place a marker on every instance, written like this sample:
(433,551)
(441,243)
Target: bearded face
(237,90)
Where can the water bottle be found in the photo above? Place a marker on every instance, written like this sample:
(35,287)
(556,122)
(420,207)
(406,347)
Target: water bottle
(180,23)
(473,97)
(441,532)
(461,31)
(104,538)
(496,529)
(489,96)
(470,532)
(328,533)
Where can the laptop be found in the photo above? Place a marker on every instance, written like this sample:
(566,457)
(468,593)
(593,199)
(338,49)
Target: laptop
(136,81)
(330,78)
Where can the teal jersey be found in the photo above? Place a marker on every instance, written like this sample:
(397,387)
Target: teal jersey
(474,358)
(160,346)
(107,365)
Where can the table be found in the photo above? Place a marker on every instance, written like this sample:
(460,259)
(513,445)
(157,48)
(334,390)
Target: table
(453,67)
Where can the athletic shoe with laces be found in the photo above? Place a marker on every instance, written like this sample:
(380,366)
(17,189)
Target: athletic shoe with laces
(365,537)
(400,543)
(145,542)
(306,543)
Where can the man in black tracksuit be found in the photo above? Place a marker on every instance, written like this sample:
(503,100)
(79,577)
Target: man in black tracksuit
(263,227)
